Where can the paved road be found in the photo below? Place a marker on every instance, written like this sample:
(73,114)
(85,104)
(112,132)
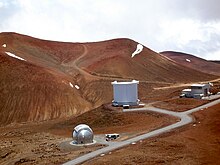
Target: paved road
(185,118)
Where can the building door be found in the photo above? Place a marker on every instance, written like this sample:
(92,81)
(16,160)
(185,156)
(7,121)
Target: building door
(206,92)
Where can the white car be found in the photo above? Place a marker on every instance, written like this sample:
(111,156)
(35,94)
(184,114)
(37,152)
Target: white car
(111,136)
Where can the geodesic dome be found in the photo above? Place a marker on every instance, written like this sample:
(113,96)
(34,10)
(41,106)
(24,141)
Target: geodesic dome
(82,134)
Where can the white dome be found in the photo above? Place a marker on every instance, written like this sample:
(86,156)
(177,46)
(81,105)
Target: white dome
(82,134)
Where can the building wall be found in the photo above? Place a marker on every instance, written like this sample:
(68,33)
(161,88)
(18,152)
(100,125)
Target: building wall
(204,90)
(125,93)
(197,91)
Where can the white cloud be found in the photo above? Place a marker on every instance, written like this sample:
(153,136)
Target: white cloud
(189,26)
(213,55)
(1,5)
(182,30)
(190,36)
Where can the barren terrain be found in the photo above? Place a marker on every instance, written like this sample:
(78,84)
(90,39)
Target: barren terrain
(59,85)
(180,104)
(193,62)
(43,87)
(174,103)
(196,144)
(49,142)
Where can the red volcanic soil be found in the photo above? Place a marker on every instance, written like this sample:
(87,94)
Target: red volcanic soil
(197,143)
(39,108)
(31,93)
(114,58)
(39,88)
(104,120)
(180,104)
(48,142)
(218,62)
(195,62)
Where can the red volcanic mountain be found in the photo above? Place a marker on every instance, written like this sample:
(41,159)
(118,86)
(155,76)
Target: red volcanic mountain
(218,62)
(58,79)
(193,62)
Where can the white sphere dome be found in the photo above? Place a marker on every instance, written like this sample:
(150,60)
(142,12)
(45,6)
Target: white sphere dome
(82,134)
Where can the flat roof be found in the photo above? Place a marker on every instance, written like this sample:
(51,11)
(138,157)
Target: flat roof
(129,82)
(198,85)
(110,134)
(186,90)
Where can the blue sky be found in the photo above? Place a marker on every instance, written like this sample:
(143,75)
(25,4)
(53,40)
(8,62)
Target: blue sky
(191,26)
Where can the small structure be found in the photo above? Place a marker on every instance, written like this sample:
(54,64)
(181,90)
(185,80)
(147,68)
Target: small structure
(112,136)
(82,134)
(196,91)
(125,93)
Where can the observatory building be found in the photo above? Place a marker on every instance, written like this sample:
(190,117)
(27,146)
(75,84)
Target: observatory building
(82,134)
(125,93)
(196,91)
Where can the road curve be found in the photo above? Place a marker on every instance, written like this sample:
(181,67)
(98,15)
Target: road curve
(185,118)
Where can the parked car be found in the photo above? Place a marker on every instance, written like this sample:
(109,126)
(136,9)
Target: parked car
(110,137)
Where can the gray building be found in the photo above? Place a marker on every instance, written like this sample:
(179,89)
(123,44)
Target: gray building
(82,134)
(196,91)
(125,93)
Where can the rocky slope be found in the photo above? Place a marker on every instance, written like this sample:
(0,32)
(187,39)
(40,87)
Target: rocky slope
(58,79)
(194,62)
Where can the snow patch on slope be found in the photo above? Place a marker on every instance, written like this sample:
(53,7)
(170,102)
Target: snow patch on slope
(188,60)
(76,86)
(14,56)
(138,50)
(71,85)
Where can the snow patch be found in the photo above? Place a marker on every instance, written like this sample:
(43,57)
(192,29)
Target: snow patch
(188,60)
(4,45)
(14,56)
(76,86)
(71,84)
(138,50)
(211,84)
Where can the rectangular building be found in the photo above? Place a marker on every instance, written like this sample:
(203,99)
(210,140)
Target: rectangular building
(125,93)
(196,91)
